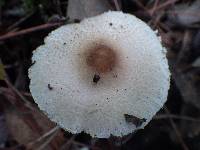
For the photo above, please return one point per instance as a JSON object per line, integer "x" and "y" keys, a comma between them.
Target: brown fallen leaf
{"x": 135, "y": 120}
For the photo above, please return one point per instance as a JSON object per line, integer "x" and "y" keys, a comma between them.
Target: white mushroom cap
{"x": 107, "y": 75}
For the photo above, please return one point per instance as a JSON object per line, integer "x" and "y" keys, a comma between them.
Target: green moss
{"x": 2, "y": 2}
{"x": 2, "y": 71}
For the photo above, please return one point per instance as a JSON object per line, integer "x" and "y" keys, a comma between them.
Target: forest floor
{"x": 23, "y": 26}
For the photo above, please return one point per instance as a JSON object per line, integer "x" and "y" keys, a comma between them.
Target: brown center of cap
{"x": 102, "y": 59}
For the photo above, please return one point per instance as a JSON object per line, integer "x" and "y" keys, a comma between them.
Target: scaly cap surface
{"x": 107, "y": 75}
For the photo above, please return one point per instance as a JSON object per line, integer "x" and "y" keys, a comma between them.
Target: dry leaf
{"x": 136, "y": 121}
{"x": 80, "y": 9}
{"x": 185, "y": 14}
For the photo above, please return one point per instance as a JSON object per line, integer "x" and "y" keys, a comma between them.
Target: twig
{"x": 27, "y": 103}
{"x": 151, "y": 11}
{"x": 48, "y": 141}
{"x": 51, "y": 132}
{"x": 186, "y": 47}
{"x": 3, "y": 89}
{"x": 172, "y": 116}
{"x": 181, "y": 13}
{"x": 155, "y": 21}
{"x": 163, "y": 26}
{"x": 177, "y": 132}
{"x": 21, "y": 20}
{"x": 116, "y": 5}
{"x": 139, "y": 4}
{"x": 67, "y": 145}
{"x": 157, "y": 7}
{"x": 166, "y": 4}
{"x": 29, "y": 30}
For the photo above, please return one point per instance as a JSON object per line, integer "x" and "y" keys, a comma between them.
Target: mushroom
{"x": 107, "y": 75}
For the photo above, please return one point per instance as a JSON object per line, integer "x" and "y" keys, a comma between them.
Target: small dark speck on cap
{"x": 33, "y": 63}
{"x": 77, "y": 20}
{"x": 115, "y": 76}
{"x": 96, "y": 78}
{"x": 50, "y": 87}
